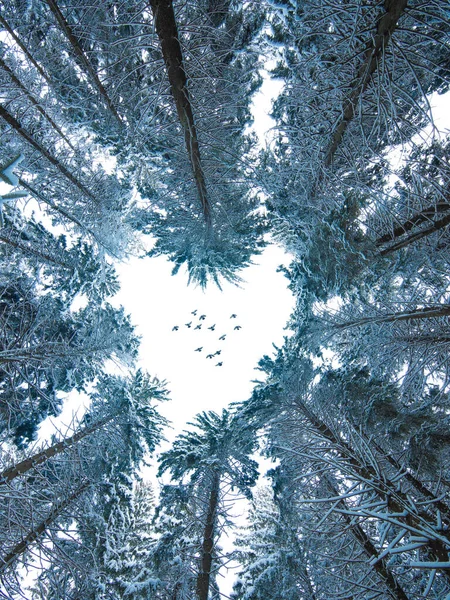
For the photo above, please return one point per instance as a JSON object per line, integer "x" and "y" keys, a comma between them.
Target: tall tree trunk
{"x": 396, "y": 500}
{"x": 69, "y": 216}
{"x": 167, "y": 31}
{"x": 34, "y": 102}
{"x": 41, "y": 457}
{"x": 81, "y": 57}
{"x": 374, "y": 50}
{"x": 423, "y": 216}
{"x": 56, "y": 511}
{"x": 24, "y": 49}
{"x": 394, "y": 589}
{"x": 11, "y": 238}
{"x": 413, "y": 315}
{"x": 12, "y": 121}
{"x": 436, "y": 226}
{"x": 204, "y": 575}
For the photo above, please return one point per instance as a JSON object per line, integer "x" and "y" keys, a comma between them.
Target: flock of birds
{"x": 199, "y": 325}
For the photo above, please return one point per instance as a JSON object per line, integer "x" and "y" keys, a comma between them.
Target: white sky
{"x": 157, "y": 301}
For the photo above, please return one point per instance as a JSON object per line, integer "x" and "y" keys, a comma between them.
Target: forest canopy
{"x": 128, "y": 126}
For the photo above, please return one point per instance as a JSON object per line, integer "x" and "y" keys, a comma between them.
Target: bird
{"x": 222, "y": 337}
{"x": 212, "y": 327}
{"x": 210, "y": 356}
{"x": 194, "y": 312}
{"x": 175, "y": 328}
{"x": 202, "y": 317}
{"x": 199, "y": 349}
{"x": 217, "y": 352}
{"x": 188, "y": 325}
{"x": 219, "y": 364}
{"x": 198, "y": 326}
{"x": 238, "y": 327}
{"x": 233, "y": 316}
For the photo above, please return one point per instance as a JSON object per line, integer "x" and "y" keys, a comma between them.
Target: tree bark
{"x": 396, "y": 500}
{"x": 394, "y": 589}
{"x": 56, "y": 511}
{"x": 41, "y": 457}
{"x": 417, "y": 219}
{"x": 70, "y": 217}
{"x": 443, "y": 508}
{"x": 167, "y": 31}
{"x": 421, "y": 313}
{"x": 12, "y": 121}
{"x": 81, "y": 57}
{"x": 385, "y": 28}
{"x": 24, "y": 49}
{"x": 34, "y": 102}
{"x": 204, "y": 575}
{"x": 436, "y": 226}
{"x": 16, "y": 243}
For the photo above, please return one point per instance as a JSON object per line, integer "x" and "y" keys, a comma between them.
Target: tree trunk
{"x": 81, "y": 57}
{"x": 45, "y": 153}
{"x": 41, "y": 457}
{"x": 443, "y": 508}
{"x": 204, "y": 575}
{"x": 374, "y": 50}
{"x": 394, "y": 589}
{"x": 425, "y": 215}
{"x": 396, "y": 500}
{"x": 413, "y": 315}
{"x": 24, "y": 49}
{"x": 436, "y": 226}
{"x": 39, "y": 196}
{"x": 56, "y": 511}
{"x": 34, "y": 102}
{"x": 166, "y": 29}
{"x": 27, "y": 249}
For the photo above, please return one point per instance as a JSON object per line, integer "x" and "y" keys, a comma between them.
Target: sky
{"x": 158, "y": 302}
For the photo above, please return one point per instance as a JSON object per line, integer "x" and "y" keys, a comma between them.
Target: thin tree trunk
{"x": 396, "y": 501}
{"x": 70, "y": 217}
{"x": 24, "y": 49}
{"x": 425, "y": 215}
{"x": 30, "y": 250}
{"x": 443, "y": 508}
{"x": 414, "y": 315}
{"x": 204, "y": 575}
{"x": 56, "y": 511}
{"x": 167, "y": 31}
{"x": 41, "y": 457}
{"x": 387, "y": 23}
{"x": 436, "y": 226}
{"x": 394, "y": 589}
{"x": 82, "y": 59}
{"x": 12, "y": 121}
{"x": 34, "y": 102}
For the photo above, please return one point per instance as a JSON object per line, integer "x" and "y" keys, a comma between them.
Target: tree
{"x": 270, "y": 554}
{"x": 215, "y": 456}
{"x": 104, "y": 551}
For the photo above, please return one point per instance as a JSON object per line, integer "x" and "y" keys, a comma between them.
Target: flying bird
{"x": 198, "y": 326}
{"x": 175, "y": 328}
{"x": 198, "y": 349}
{"x": 210, "y": 356}
{"x": 202, "y": 317}
{"x": 222, "y": 337}
{"x": 217, "y": 352}
{"x": 194, "y": 312}
{"x": 212, "y": 327}
{"x": 188, "y": 325}
{"x": 238, "y": 327}
{"x": 219, "y": 364}
{"x": 233, "y": 316}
